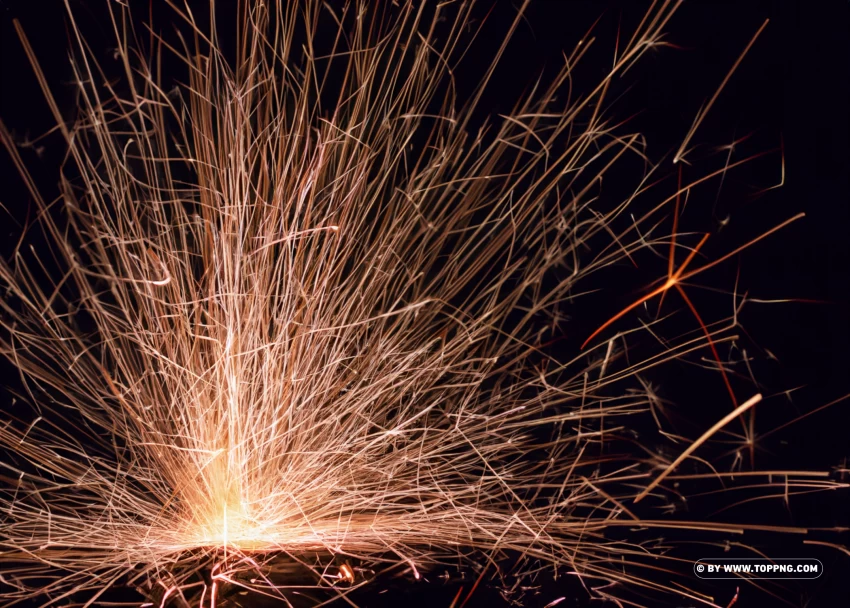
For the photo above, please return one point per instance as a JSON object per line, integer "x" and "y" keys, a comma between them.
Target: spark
{"x": 705, "y": 436}
{"x": 289, "y": 315}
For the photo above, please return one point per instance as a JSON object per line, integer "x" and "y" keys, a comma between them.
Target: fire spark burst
{"x": 267, "y": 324}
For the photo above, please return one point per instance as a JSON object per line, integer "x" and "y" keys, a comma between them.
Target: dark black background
{"x": 791, "y": 88}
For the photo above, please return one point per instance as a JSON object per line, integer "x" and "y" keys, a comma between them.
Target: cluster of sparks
{"x": 278, "y": 329}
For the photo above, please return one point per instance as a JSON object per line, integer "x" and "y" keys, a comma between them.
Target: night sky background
{"x": 791, "y": 91}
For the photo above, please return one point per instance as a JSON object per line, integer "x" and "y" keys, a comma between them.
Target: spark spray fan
{"x": 294, "y": 324}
